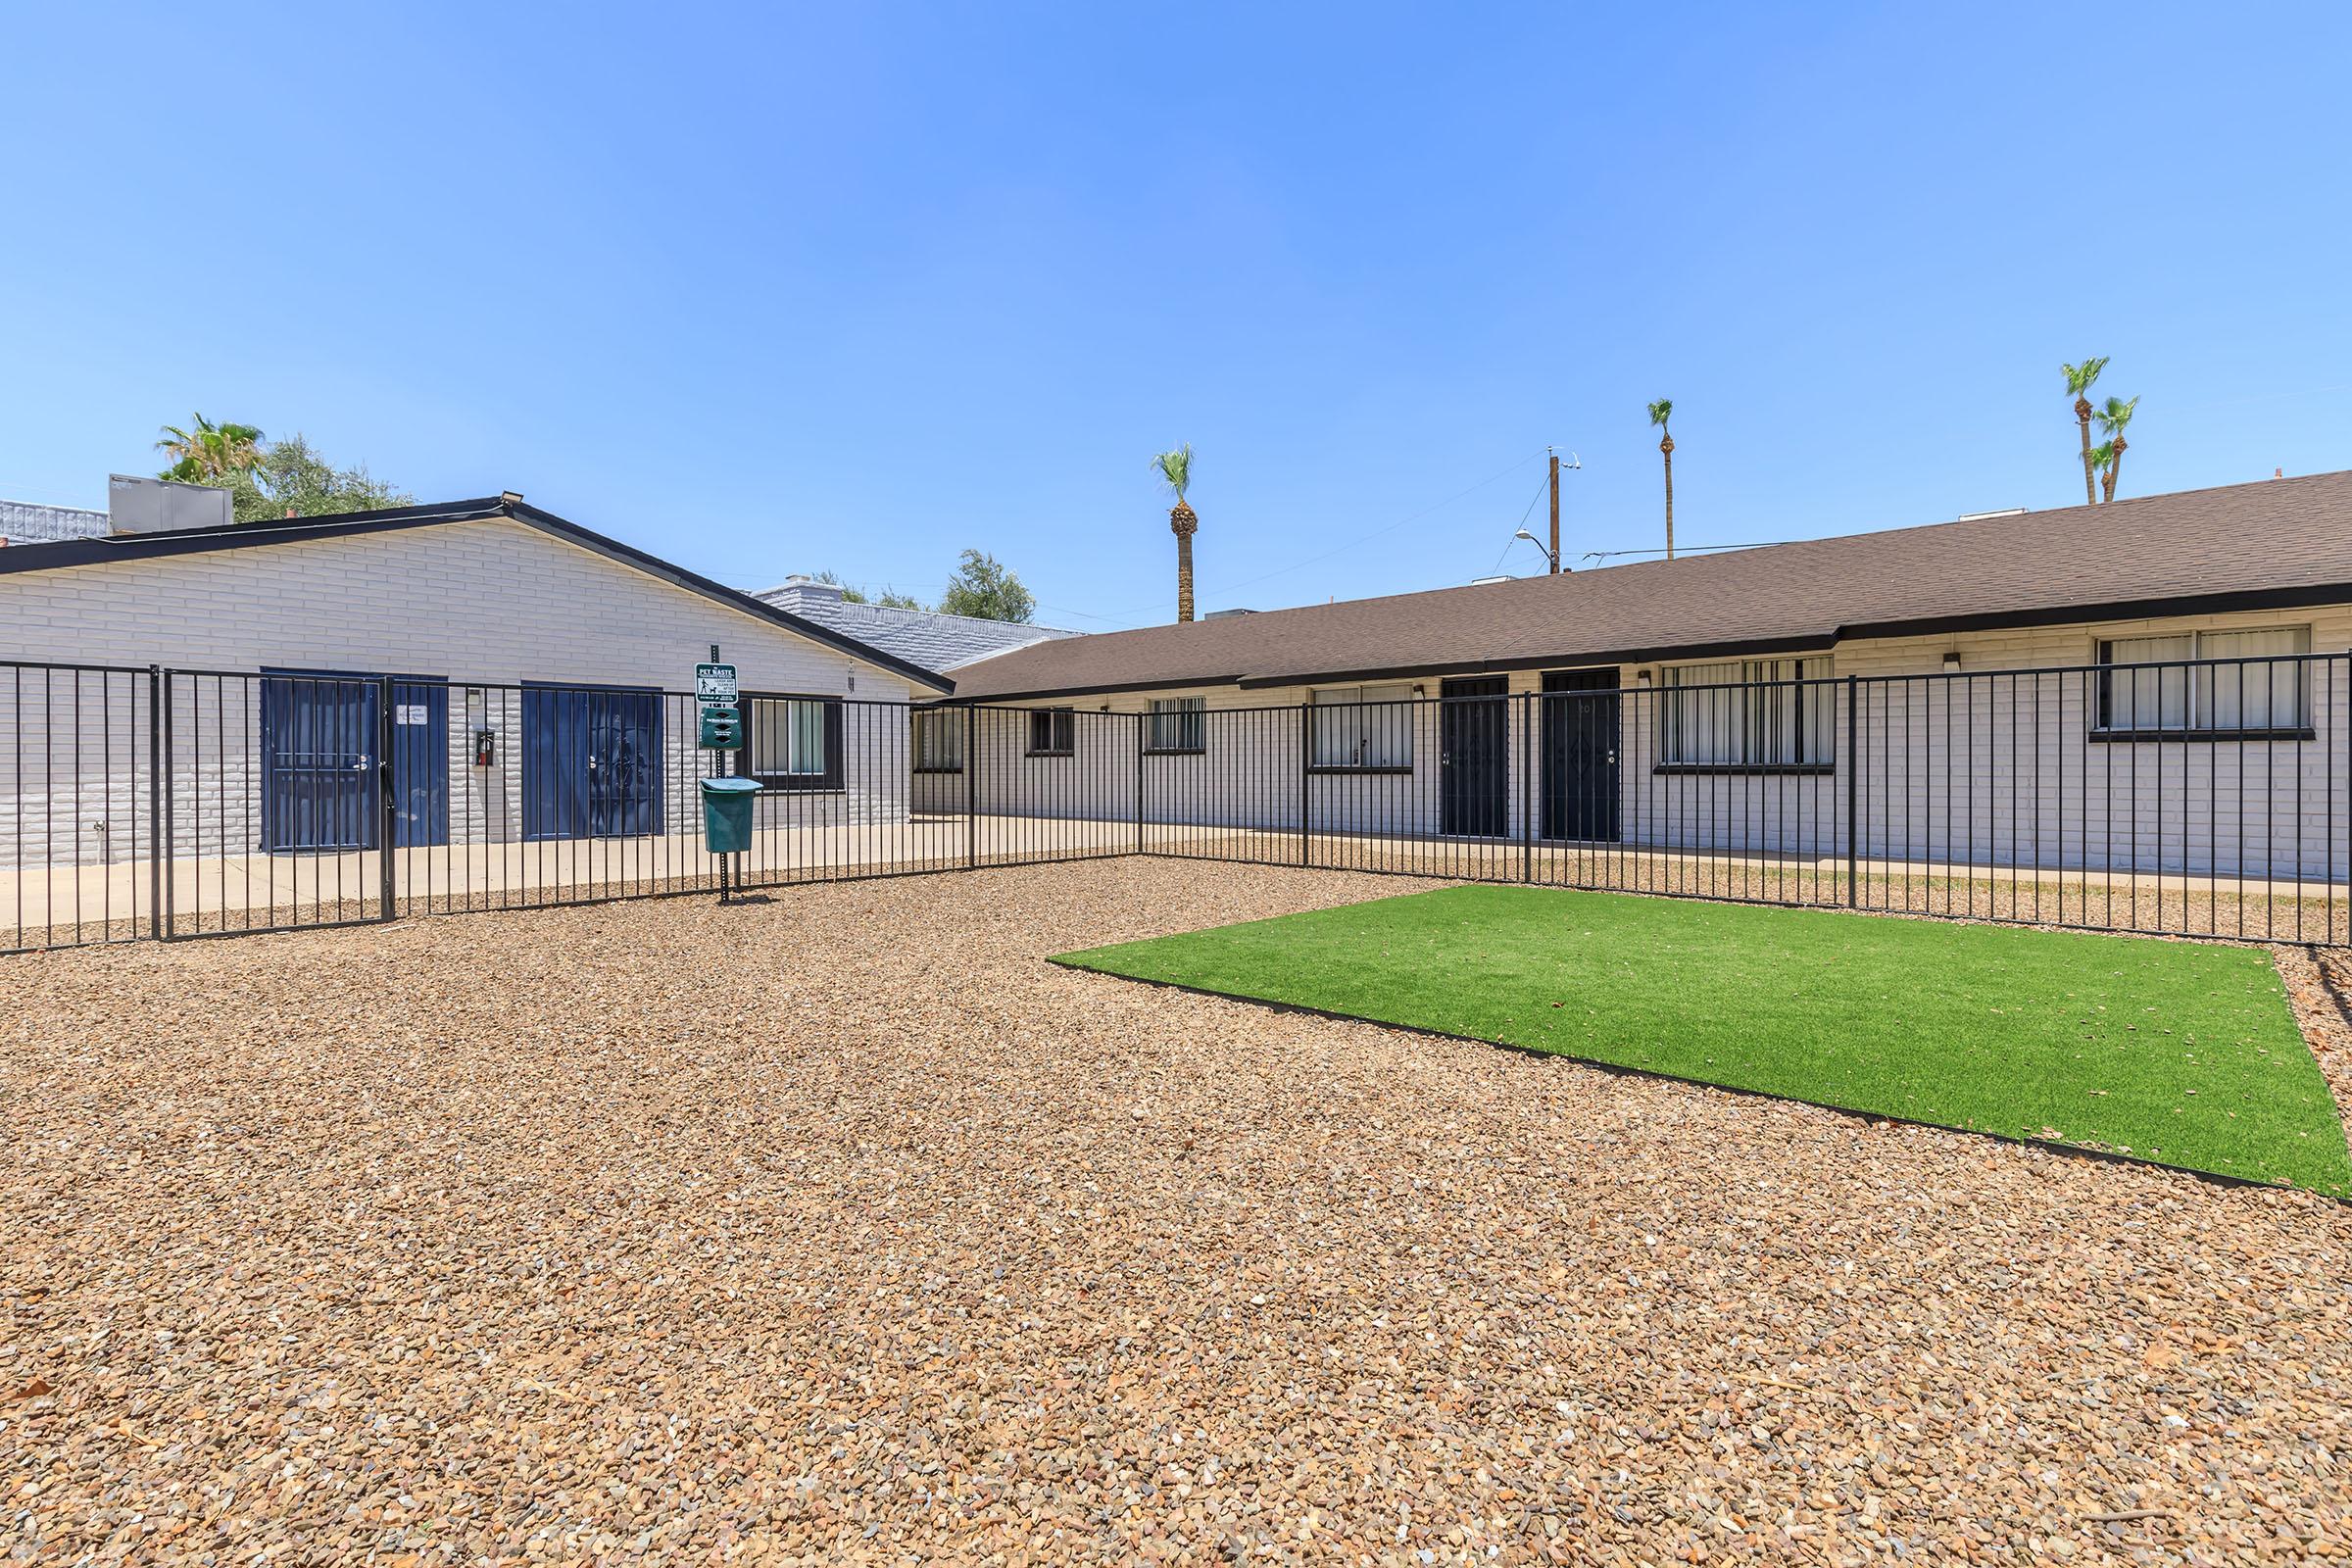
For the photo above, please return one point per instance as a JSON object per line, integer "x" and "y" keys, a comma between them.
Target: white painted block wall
{"x": 493, "y": 601}
{"x": 1968, "y": 780}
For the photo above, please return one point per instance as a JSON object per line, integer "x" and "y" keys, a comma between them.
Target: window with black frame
{"x": 1748, "y": 716}
{"x": 1176, "y": 725}
{"x": 938, "y": 740}
{"x": 794, "y": 743}
{"x": 2206, "y": 683}
{"x": 1366, "y": 729}
{"x": 1052, "y": 732}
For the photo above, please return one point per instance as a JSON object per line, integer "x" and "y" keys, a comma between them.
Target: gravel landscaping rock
{"x": 844, "y": 1226}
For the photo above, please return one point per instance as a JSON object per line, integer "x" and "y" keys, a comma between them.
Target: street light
{"x": 1553, "y": 560}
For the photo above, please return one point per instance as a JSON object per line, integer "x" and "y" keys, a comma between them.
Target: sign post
{"x": 727, "y": 799}
{"x": 714, "y": 684}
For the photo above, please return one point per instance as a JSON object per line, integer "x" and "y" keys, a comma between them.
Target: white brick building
{"x": 2185, "y": 709}
{"x": 529, "y": 655}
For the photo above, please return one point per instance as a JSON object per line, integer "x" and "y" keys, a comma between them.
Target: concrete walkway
{"x": 61, "y": 906}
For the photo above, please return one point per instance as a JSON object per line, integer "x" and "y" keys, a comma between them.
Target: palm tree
{"x": 1175, "y": 469}
{"x": 2112, "y": 417}
{"x": 211, "y": 454}
{"x": 1659, "y": 413}
{"x": 2078, "y": 380}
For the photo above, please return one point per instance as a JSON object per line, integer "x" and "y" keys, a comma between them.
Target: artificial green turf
{"x": 2173, "y": 1052}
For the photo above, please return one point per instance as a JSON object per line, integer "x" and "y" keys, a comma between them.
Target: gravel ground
{"x": 845, "y": 1227}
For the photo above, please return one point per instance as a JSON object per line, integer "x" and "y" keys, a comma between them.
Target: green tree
{"x": 2112, "y": 417}
{"x": 888, "y": 597}
{"x": 851, "y": 593}
{"x": 289, "y": 478}
{"x": 1175, "y": 470}
{"x": 2078, "y": 380}
{"x": 982, "y": 586}
{"x": 1659, "y": 413}
{"x": 293, "y": 475}
{"x": 211, "y": 454}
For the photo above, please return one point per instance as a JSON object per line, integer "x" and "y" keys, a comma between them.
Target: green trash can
{"x": 728, "y": 813}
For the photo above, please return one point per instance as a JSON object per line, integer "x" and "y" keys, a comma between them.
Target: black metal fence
{"x": 2201, "y": 796}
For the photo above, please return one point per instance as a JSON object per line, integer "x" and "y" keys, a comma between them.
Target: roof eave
{"x": 735, "y": 597}
{"x": 2215, "y": 603}
{"x": 1044, "y": 693}
{"x": 1571, "y": 660}
{"x": 60, "y": 554}
{"x": 2115, "y": 609}
{"x": 69, "y": 552}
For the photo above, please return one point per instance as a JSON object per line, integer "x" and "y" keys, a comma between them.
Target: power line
{"x": 1107, "y": 620}
{"x": 1376, "y": 533}
{"x": 1338, "y": 550}
{"x": 1758, "y": 544}
{"x": 890, "y": 584}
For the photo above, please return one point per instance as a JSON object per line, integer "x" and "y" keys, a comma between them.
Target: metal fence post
{"x": 1854, "y": 791}
{"x": 156, "y": 799}
{"x": 1527, "y": 800}
{"x": 971, "y": 794}
{"x": 1306, "y": 756}
{"x": 387, "y": 800}
{"x": 1141, "y": 720}
{"x": 168, "y": 836}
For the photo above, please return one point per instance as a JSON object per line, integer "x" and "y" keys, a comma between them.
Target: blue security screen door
{"x": 319, "y": 773}
{"x": 317, "y": 763}
{"x": 624, "y": 762}
{"x": 590, "y": 763}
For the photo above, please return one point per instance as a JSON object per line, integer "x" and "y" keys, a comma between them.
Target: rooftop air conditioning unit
{"x": 163, "y": 505}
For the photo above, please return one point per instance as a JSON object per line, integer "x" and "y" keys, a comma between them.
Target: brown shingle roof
{"x": 2272, "y": 543}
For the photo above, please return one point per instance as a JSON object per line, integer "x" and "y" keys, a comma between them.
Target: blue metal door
{"x": 420, "y": 762}
{"x": 318, "y": 772}
{"x": 590, "y": 763}
{"x": 317, "y": 763}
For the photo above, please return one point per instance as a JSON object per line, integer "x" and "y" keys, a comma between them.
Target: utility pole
{"x": 1555, "y": 513}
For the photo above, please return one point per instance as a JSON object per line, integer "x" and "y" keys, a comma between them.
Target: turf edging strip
{"x": 2178, "y": 1053}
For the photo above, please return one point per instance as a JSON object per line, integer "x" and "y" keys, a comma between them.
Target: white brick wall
{"x": 494, "y": 602}
{"x": 1974, "y": 785}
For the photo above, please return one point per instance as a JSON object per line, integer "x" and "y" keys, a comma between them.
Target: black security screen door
{"x": 1474, "y": 758}
{"x": 1580, "y": 753}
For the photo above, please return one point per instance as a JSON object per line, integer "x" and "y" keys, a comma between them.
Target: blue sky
{"x": 770, "y": 289}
